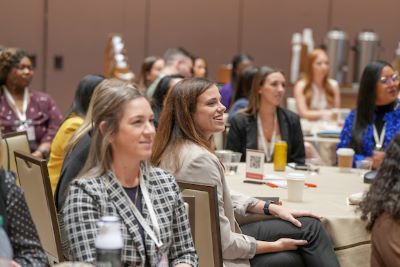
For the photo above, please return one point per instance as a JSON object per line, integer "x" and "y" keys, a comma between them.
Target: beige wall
{"x": 214, "y": 29}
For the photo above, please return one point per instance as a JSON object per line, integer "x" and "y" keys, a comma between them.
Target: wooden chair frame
{"x": 214, "y": 216}
{"x": 42, "y": 164}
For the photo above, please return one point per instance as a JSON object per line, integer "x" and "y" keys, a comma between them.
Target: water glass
{"x": 363, "y": 166}
{"x": 234, "y": 164}
{"x": 313, "y": 165}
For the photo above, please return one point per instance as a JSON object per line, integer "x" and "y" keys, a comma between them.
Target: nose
{"x": 149, "y": 128}
{"x": 221, "y": 107}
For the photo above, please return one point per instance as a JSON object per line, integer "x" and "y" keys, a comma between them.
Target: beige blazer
{"x": 199, "y": 165}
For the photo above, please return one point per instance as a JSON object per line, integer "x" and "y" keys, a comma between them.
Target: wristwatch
{"x": 266, "y": 206}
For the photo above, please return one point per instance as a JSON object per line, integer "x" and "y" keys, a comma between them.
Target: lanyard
{"x": 268, "y": 147}
{"x": 154, "y": 235}
{"x": 379, "y": 139}
{"x": 21, "y": 115}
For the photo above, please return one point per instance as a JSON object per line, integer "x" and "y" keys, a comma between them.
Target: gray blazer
{"x": 199, "y": 165}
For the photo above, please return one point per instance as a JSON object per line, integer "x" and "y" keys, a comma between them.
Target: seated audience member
{"x": 200, "y": 69}
{"x": 73, "y": 120}
{"x": 381, "y": 209}
{"x": 77, "y": 149}
{"x": 118, "y": 181}
{"x": 165, "y": 84}
{"x": 23, "y": 109}
{"x": 239, "y": 62}
{"x": 149, "y": 72}
{"x": 373, "y": 124}
{"x": 316, "y": 95}
{"x": 177, "y": 61}
{"x": 183, "y": 145}
{"x": 264, "y": 122}
{"x": 18, "y": 224}
{"x": 241, "y": 92}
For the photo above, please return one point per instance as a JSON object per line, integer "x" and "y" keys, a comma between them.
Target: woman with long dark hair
{"x": 264, "y": 122}
{"x": 149, "y": 71}
{"x": 73, "y": 121}
{"x": 381, "y": 209}
{"x": 239, "y": 62}
{"x": 373, "y": 124}
{"x": 193, "y": 113}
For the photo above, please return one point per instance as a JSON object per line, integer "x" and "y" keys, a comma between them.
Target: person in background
{"x": 200, "y": 69}
{"x": 264, "y": 122}
{"x": 18, "y": 224}
{"x": 73, "y": 120}
{"x": 193, "y": 113}
{"x": 177, "y": 61}
{"x": 24, "y": 109}
{"x": 381, "y": 209}
{"x": 376, "y": 120}
{"x": 240, "y": 97}
{"x": 163, "y": 87}
{"x": 316, "y": 95}
{"x": 149, "y": 71}
{"x": 118, "y": 181}
{"x": 239, "y": 62}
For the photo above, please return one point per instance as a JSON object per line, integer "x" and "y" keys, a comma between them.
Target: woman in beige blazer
{"x": 192, "y": 114}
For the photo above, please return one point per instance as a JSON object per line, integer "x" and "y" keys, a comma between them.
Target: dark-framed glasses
{"x": 387, "y": 79}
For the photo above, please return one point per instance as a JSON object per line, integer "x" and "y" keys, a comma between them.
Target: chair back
{"x": 34, "y": 180}
{"x": 207, "y": 238}
{"x": 10, "y": 143}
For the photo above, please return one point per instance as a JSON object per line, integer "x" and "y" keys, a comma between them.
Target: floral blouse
{"x": 42, "y": 113}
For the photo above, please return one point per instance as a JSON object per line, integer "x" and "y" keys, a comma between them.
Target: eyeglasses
{"x": 387, "y": 79}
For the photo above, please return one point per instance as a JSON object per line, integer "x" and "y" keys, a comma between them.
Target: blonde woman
{"x": 118, "y": 181}
{"x": 316, "y": 95}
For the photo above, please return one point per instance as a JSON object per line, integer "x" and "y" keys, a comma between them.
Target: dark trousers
{"x": 318, "y": 252}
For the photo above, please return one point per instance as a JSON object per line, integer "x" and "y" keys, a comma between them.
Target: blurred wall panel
{"x": 78, "y": 31}
{"x": 268, "y": 27}
{"x": 22, "y": 25}
{"x": 206, "y": 28}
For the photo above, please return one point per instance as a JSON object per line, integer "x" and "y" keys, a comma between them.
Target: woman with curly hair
{"x": 24, "y": 109}
{"x": 381, "y": 209}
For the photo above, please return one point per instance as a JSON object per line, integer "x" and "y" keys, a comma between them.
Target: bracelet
{"x": 266, "y": 207}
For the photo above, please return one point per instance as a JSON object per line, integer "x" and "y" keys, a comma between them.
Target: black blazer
{"x": 243, "y": 134}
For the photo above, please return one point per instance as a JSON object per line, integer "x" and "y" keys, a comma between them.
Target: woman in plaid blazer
{"x": 117, "y": 181}
{"x": 183, "y": 144}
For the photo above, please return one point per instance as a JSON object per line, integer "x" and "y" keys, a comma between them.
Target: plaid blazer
{"x": 91, "y": 198}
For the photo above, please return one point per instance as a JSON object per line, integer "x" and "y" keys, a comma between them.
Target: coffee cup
{"x": 345, "y": 159}
{"x": 295, "y": 185}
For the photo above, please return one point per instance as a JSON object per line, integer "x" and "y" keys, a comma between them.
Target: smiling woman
{"x": 264, "y": 122}
{"x": 117, "y": 180}
{"x": 373, "y": 124}
{"x": 23, "y": 109}
{"x": 193, "y": 113}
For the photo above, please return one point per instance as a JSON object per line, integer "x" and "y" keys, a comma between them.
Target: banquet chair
{"x": 9, "y": 143}
{"x": 34, "y": 180}
{"x": 207, "y": 238}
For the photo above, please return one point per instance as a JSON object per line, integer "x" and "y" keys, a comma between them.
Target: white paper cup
{"x": 345, "y": 159}
{"x": 295, "y": 184}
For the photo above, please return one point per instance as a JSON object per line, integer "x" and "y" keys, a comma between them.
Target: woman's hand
{"x": 282, "y": 244}
{"x": 377, "y": 159}
{"x": 15, "y": 264}
{"x": 290, "y": 215}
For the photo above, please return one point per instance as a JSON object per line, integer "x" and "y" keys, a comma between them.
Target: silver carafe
{"x": 366, "y": 50}
{"x": 337, "y": 46}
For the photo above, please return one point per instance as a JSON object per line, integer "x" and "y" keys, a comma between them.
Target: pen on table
{"x": 271, "y": 184}
{"x": 310, "y": 185}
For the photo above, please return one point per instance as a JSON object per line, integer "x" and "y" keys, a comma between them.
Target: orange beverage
{"x": 280, "y": 156}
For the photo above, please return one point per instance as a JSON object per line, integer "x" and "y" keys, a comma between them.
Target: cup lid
{"x": 295, "y": 176}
